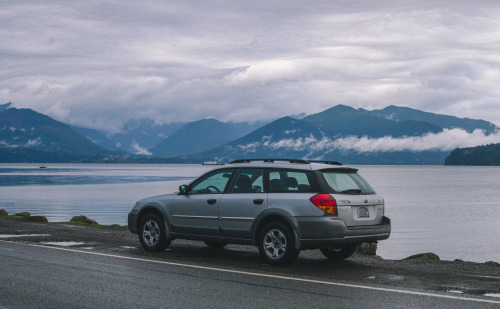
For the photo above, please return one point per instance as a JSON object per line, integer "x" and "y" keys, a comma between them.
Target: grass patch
{"x": 79, "y": 223}
{"x": 11, "y": 217}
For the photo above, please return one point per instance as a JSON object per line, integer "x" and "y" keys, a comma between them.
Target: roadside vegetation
{"x": 76, "y": 220}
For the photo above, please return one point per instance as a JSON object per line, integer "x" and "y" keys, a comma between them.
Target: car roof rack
{"x": 299, "y": 161}
{"x": 326, "y": 162}
{"x": 271, "y": 161}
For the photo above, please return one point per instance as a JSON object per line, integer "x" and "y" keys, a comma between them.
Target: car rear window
{"x": 347, "y": 182}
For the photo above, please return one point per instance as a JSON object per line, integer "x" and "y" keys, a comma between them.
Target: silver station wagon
{"x": 281, "y": 206}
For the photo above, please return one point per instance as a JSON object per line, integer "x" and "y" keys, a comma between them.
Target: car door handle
{"x": 258, "y": 201}
{"x": 211, "y": 201}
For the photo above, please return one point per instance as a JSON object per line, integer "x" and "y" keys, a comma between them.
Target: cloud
{"x": 29, "y": 144}
{"x": 446, "y": 140}
{"x": 252, "y": 147}
{"x": 33, "y": 143}
{"x": 266, "y": 72}
{"x": 98, "y": 63}
{"x": 140, "y": 150}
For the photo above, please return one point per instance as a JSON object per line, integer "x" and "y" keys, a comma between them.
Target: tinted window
{"x": 347, "y": 182}
{"x": 212, "y": 183}
{"x": 289, "y": 181}
{"x": 247, "y": 181}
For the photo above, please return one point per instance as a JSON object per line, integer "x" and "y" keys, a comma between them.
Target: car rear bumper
{"x": 330, "y": 231}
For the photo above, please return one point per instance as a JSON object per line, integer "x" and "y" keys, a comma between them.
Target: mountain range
{"x": 135, "y": 135}
{"x": 199, "y": 136}
{"x": 323, "y": 136}
{"x": 337, "y": 134}
{"x": 28, "y": 136}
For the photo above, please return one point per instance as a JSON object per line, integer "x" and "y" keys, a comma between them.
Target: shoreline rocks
{"x": 367, "y": 248}
{"x": 26, "y": 216}
{"x": 492, "y": 263}
{"x": 424, "y": 256}
{"x": 82, "y": 219}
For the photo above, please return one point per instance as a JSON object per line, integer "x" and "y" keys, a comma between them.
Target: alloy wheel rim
{"x": 151, "y": 233}
{"x": 275, "y": 244}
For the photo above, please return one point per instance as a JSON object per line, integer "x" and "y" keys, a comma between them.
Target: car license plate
{"x": 363, "y": 212}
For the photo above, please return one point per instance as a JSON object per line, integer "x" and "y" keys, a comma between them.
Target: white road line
{"x": 22, "y": 235}
{"x": 479, "y": 276}
{"x": 365, "y": 287}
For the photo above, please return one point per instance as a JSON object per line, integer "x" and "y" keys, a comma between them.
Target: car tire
{"x": 340, "y": 253}
{"x": 276, "y": 244}
{"x": 152, "y": 233}
{"x": 215, "y": 244}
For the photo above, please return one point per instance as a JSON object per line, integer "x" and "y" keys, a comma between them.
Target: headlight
{"x": 136, "y": 203}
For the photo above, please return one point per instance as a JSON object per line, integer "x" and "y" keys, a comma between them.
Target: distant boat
{"x": 43, "y": 166}
{"x": 210, "y": 163}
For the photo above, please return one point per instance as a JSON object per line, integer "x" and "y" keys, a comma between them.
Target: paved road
{"x": 41, "y": 276}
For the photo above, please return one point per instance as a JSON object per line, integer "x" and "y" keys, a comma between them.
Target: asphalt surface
{"x": 55, "y": 266}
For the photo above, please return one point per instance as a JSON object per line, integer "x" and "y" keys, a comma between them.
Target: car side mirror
{"x": 183, "y": 189}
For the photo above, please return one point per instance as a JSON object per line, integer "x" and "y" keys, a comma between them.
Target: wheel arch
{"x": 154, "y": 209}
{"x": 277, "y": 217}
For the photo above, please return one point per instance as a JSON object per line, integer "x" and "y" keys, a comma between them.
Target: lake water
{"x": 451, "y": 211}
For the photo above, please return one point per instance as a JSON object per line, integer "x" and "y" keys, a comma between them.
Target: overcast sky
{"x": 97, "y": 63}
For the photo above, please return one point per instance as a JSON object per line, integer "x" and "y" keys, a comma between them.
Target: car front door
{"x": 197, "y": 211}
{"x": 243, "y": 202}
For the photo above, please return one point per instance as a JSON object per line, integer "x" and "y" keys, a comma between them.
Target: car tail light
{"x": 325, "y": 202}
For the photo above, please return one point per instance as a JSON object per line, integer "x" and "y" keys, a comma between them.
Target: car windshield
{"x": 347, "y": 182}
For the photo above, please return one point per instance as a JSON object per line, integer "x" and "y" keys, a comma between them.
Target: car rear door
{"x": 244, "y": 201}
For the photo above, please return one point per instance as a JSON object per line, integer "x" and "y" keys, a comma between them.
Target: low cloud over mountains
{"x": 393, "y": 135}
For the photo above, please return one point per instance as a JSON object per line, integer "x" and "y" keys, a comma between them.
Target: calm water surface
{"x": 451, "y": 211}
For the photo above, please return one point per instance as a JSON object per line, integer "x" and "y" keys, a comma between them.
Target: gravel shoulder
{"x": 466, "y": 279}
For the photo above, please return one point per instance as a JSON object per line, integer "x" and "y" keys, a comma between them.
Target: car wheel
{"x": 276, "y": 244}
{"x": 340, "y": 253}
{"x": 152, "y": 233}
{"x": 215, "y": 244}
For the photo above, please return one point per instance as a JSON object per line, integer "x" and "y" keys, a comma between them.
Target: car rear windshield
{"x": 347, "y": 182}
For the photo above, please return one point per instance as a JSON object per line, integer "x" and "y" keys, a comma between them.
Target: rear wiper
{"x": 351, "y": 191}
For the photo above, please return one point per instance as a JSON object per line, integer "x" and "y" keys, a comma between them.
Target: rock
{"x": 492, "y": 263}
{"x": 82, "y": 219}
{"x": 424, "y": 256}
{"x": 3, "y": 213}
{"x": 23, "y": 214}
{"x": 36, "y": 219}
{"x": 367, "y": 248}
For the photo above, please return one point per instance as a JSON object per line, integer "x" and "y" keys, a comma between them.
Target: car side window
{"x": 212, "y": 183}
{"x": 248, "y": 180}
{"x": 289, "y": 181}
